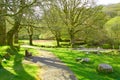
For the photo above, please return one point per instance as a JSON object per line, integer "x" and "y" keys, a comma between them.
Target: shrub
{"x": 106, "y": 46}
{"x": 116, "y": 46}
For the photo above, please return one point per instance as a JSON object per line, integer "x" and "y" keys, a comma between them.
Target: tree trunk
{"x": 1, "y": 63}
{"x": 12, "y": 32}
{"x": 2, "y": 31}
{"x": 57, "y": 36}
{"x": 71, "y": 34}
{"x": 14, "y": 29}
{"x": 10, "y": 38}
{"x": 72, "y": 41}
{"x": 58, "y": 42}
{"x": 30, "y": 40}
{"x": 16, "y": 38}
{"x": 2, "y": 25}
{"x": 17, "y": 19}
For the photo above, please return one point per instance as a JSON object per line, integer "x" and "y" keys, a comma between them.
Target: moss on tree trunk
{"x": 2, "y": 27}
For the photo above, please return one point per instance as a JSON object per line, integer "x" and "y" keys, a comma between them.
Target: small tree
{"x": 52, "y": 21}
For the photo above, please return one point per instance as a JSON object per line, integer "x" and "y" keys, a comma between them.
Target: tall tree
{"x": 53, "y": 22}
{"x": 17, "y": 6}
{"x": 74, "y": 14}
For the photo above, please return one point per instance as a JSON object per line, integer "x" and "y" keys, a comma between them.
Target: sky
{"x": 106, "y": 2}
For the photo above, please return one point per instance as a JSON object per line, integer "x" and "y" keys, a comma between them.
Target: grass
{"x": 40, "y": 42}
{"x": 17, "y": 68}
{"x": 45, "y": 43}
{"x": 87, "y": 71}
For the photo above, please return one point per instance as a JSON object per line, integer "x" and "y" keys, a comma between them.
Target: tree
{"x": 31, "y": 22}
{"x": 17, "y": 19}
{"x": 113, "y": 29}
{"x": 14, "y": 9}
{"x": 95, "y": 33}
{"x": 53, "y": 23}
{"x": 74, "y": 14}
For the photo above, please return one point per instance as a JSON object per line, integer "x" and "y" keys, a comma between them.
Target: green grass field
{"x": 40, "y": 42}
{"x": 17, "y": 68}
{"x": 87, "y": 71}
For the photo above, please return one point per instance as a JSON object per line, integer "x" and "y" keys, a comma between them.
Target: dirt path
{"x": 51, "y": 67}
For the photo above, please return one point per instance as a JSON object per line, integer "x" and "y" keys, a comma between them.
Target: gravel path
{"x": 51, "y": 67}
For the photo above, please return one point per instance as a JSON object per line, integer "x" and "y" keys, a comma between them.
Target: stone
{"x": 28, "y": 54}
{"x": 105, "y": 68}
{"x": 86, "y": 60}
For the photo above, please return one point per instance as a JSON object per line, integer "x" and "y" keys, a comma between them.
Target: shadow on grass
{"x": 18, "y": 72}
{"x": 19, "y": 69}
{"x": 6, "y": 75}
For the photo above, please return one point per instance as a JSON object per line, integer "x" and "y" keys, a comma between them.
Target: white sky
{"x": 106, "y": 2}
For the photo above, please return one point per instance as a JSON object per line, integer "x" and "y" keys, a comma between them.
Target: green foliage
{"x": 87, "y": 71}
{"x": 106, "y": 46}
{"x": 113, "y": 29}
{"x": 113, "y": 21}
{"x": 116, "y": 46}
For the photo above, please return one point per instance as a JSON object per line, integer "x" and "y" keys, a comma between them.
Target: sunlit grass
{"x": 40, "y": 42}
{"x": 87, "y": 71}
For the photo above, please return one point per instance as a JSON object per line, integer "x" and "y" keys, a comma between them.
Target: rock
{"x": 28, "y": 54}
{"x": 86, "y": 60}
{"x": 105, "y": 68}
{"x": 83, "y": 59}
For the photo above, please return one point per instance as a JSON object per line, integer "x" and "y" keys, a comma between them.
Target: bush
{"x": 116, "y": 46}
{"x": 106, "y": 46}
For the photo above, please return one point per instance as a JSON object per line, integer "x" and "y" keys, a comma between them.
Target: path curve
{"x": 51, "y": 67}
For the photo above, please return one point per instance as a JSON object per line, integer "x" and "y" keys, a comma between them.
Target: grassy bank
{"x": 87, "y": 71}
{"x": 17, "y": 68}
